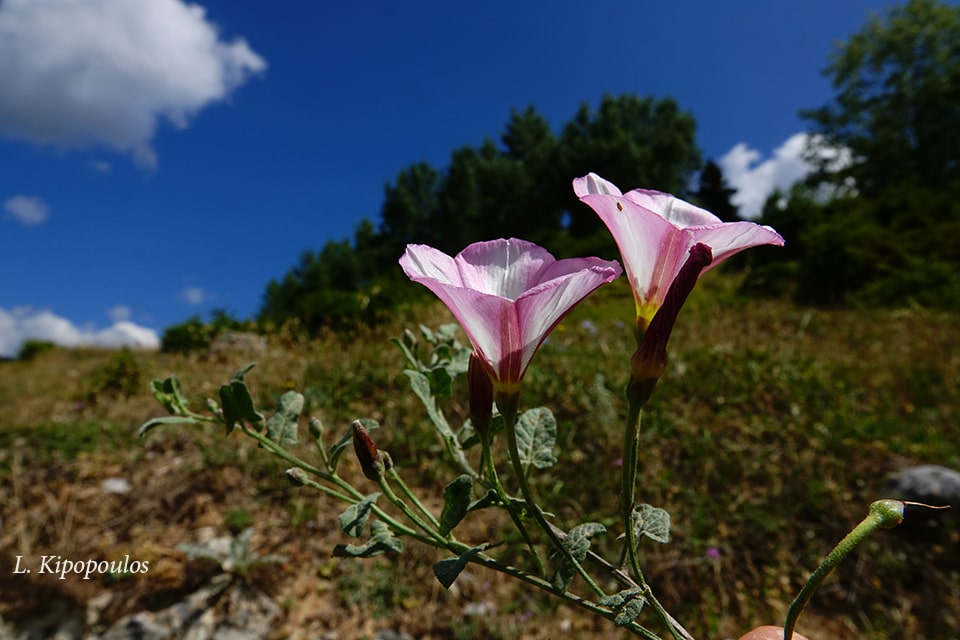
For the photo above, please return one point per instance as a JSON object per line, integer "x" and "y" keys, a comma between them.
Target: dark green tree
{"x": 897, "y": 102}
{"x": 715, "y": 195}
{"x": 631, "y": 141}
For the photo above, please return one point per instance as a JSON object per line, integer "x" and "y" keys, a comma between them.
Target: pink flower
{"x": 507, "y": 295}
{"x": 655, "y": 232}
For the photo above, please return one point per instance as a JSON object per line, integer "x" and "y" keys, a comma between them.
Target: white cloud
{"x": 104, "y": 72}
{"x": 119, "y": 313}
{"x": 755, "y": 178}
{"x": 24, "y": 323}
{"x": 194, "y": 295}
{"x": 26, "y": 210}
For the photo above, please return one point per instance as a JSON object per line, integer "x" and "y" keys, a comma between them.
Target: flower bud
{"x": 480, "y": 393}
{"x": 296, "y": 476}
{"x": 371, "y": 459}
{"x": 650, "y": 360}
{"x": 315, "y": 426}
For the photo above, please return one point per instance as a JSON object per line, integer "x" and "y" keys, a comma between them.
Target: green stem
{"x": 508, "y": 409}
{"x": 882, "y": 514}
{"x": 413, "y": 498}
{"x": 628, "y": 484}
{"x": 505, "y": 499}
{"x": 438, "y": 539}
{"x": 283, "y": 454}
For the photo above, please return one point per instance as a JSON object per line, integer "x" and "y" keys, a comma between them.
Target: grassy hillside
{"x": 772, "y": 431}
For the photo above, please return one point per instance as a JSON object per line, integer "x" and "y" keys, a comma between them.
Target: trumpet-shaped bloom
{"x": 507, "y": 295}
{"x": 655, "y": 232}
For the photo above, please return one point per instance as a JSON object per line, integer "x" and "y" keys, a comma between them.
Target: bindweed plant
{"x": 507, "y": 296}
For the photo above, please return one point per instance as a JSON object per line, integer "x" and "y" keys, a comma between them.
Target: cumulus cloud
{"x": 23, "y": 323}
{"x": 105, "y": 72}
{"x": 26, "y": 210}
{"x": 755, "y": 178}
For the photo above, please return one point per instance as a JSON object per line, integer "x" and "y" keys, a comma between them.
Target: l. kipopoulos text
{"x": 64, "y": 567}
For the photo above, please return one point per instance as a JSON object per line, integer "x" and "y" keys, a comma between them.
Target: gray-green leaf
{"x": 577, "y": 542}
{"x": 381, "y": 541}
{"x": 237, "y": 405}
{"x": 169, "y": 393}
{"x": 449, "y": 569}
{"x": 354, "y": 519}
{"x": 536, "y": 438}
{"x": 282, "y": 425}
{"x": 652, "y": 522}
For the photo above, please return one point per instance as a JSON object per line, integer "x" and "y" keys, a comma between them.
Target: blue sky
{"x": 161, "y": 158}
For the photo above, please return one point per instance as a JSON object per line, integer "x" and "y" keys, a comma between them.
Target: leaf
{"x": 536, "y": 438}
{"x": 441, "y": 384}
{"x": 354, "y": 519}
{"x": 469, "y": 438}
{"x": 490, "y": 499}
{"x": 153, "y": 423}
{"x": 577, "y": 542}
{"x": 169, "y": 394}
{"x": 407, "y": 353}
{"x": 242, "y": 371}
{"x": 449, "y": 569}
{"x": 422, "y": 388}
{"x": 347, "y": 441}
{"x": 456, "y": 502}
{"x": 629, "y": 611}
{"x": 627, "y": 604}
{"x": 652, "y": 522}
{"x": 282, "y": 425}
{"x": 237, "y": 405}
{"x": 381, "y": 541}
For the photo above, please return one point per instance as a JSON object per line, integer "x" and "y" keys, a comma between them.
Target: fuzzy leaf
{"x": 170, "y": 394}
{"x": 627, "y": 604}
{"x": 456, "y": 502}
{"x": 282, "y": 425}
{"x": 237, "y": 405}
{"x": 652, "y": 522}
{"x": 354, "y": 519}
{"x": 629, "y": 611}
{"x": 577, "y": 542}
{"x": 440, "y": 382}
{"x": 422, "y": 387}
{"x": 242, "y": 371}
{"x": 449, "y": 569}
{"x": 381, "y": 541}
{"x": 536, "y": 438}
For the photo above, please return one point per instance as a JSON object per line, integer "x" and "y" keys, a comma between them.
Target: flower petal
{"x": 507, "y": 295}
{"x": 504, "y": 268}
{"x": 731, "y": 238}
{"x": 680, "y": 213}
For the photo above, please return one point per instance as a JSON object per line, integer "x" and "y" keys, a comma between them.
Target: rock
{"x": 245, "y": 342}
{"x": 928, "y": 483}
{"x": 226, "y": 610}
